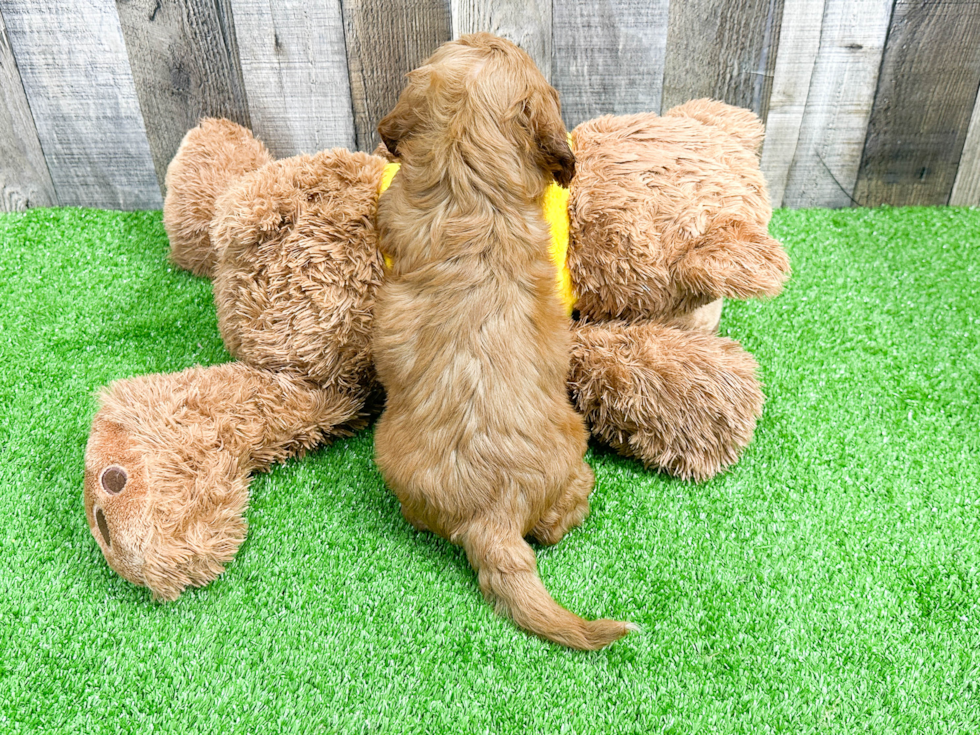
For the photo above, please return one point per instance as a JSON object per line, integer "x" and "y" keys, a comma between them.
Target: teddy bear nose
{"x": 114, "y": 480}
{"x": 103, "y": 525}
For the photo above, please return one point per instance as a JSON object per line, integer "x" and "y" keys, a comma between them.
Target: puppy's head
{"x": 481, "y": 93}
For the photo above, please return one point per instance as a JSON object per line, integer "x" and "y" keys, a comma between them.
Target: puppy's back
{"x": 479, "y": 440}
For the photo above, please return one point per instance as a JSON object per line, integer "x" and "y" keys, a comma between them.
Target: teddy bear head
{"x": 160, "y": 520}
{"x": 669, "y": 214}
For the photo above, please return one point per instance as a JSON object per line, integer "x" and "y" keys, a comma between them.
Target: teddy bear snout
{"x": 103, "y": 525}
{"x": 113, "y": 481}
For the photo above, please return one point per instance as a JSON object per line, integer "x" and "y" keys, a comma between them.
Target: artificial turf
{"x": 827, "y": 583}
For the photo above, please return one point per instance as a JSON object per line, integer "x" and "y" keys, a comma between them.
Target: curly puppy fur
{"x": 478, "y": 438}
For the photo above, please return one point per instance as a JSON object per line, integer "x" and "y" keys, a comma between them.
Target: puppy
{"x": 478, "y": 439}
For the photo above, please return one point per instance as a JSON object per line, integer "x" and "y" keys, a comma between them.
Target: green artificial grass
{"x": 827, "y": 583}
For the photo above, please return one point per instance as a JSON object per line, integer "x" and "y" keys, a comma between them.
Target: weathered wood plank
{"x": 294, "y": 63}
{"x": 184, "y": 57}
{"x": 838, "y": 106}
{"x": 926, "y": 91}
{"x": 525, "y": 22}
{"x": 24, "y": 178}
{"x": 386, "y": 40}
{"x": 723, "y": 49}
{"x": 799, "y": 40}
{"x": 609, "y": 57}
{"x": 76, "y": 77}
{"x": 966, "y": 189}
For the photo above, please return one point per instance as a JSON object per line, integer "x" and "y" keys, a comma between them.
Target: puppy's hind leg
{"x": 416, "y": 522}
{"x": 570, "y": 510}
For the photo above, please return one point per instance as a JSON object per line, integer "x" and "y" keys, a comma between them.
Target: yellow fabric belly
{"x": 555, "y": 212}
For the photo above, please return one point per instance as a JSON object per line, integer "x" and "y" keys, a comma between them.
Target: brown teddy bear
{"x": 666, "y": 216}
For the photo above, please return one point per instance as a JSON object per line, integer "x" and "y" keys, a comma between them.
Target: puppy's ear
{"x": 543, "y": 114}
{"x": 395, "y": 126}
{"x": 403, "y": 119}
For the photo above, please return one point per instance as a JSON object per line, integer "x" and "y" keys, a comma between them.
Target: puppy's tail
{"x": 509, "y": 580}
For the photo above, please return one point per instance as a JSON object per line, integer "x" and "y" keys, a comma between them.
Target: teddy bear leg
{"x": 168, "y": 461}
{"x": 685, "y": 402}
{"x": 705, "y": 319}
{"x": 210, "y": 158}
{"x": 570, "y": 510}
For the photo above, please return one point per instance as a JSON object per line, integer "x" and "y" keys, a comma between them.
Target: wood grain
{"x": 184, "y": 57}
{"x": 926, "y": 91}
{"x": 966, "y": 189}
{"x": 723, "y": 49}
{"x": 294, "y": 65}
{"x": 609, "y": 57}
{"x": 525, "y": 22}
{"x": 849, "y": 117}
{"x": 386, "y": 40}
{"x": 838, "y": 106}
{"x": 72, "y": 61}
{"x": 799, "y": 41}
{"x": 24, "y": 178}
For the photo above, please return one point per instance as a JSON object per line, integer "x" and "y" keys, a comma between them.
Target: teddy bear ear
{"x": 741, "y": 124}
{"x": 193, "y": 540}
{"x": 734, "y": 259}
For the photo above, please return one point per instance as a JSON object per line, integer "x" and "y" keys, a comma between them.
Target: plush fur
{"x": 205, "y": 164}
{"x": 667, "y": 215}
{"x": 299, "y": 265}
{"x": 679, "y": 399}
{"x": 478, "y": 438}
{"x": 676, "y": 209}
{"x": 296, "y": 265}
{"x": 167, "y": 465}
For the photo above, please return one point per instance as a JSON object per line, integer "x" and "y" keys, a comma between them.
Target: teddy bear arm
{"x": 734, "y": 259}
{"x": 168, "y": 460}
{"x": 685, "y": 402}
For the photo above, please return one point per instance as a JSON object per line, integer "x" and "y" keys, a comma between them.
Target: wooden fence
{"x": 865, "y": 101}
